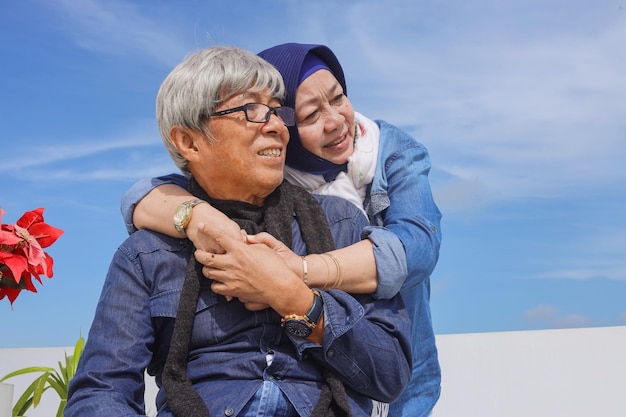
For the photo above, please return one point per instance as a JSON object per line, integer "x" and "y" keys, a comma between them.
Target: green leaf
{"x": 40, "y": 388}
{"x": 28, "y": 370}
{"x": 23, "y": 408}
{"x": 60, "y": 386}
{"x": 58, "y": 380}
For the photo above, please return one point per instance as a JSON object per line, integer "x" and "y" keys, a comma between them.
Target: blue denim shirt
{"x": 400, "y": 201}
{"x": 366, "y": 341}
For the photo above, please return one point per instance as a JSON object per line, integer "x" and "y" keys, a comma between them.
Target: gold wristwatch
{"x": 182, "y": 215}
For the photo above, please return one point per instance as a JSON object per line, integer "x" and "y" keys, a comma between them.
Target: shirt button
{"x": 331, "y": 353}
{"x": 434, "y": 229}
{"x": 229, "y": 411}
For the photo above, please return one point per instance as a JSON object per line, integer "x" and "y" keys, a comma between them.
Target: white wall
{"x": 549, "y": 373}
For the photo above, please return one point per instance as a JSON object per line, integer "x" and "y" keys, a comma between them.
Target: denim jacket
{"x": 400, "y": 201}
{"x": 366, "y": 341}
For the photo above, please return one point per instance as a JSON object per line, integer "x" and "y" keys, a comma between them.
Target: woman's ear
{"x": 186, "y": 141}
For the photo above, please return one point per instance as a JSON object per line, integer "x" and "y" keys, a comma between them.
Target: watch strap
{"x": 310, "y": 319}
{"x": 317, "y": 308}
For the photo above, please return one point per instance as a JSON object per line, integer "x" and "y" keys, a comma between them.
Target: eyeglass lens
{"x": 260, "y": 113}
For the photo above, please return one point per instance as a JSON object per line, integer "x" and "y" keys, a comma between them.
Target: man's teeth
{"x": 270, "y": 152}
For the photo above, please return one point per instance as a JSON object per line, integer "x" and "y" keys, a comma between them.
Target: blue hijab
{"x": 296, "y": 62}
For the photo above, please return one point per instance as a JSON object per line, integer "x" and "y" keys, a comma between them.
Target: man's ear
{"x": 186, "y": 141}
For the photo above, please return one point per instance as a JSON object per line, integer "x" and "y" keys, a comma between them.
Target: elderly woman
{"x": 212, "y": 346}
{"x": 376, "y": 166}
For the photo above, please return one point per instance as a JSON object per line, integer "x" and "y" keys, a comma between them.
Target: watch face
{"x": 180, "y": 214}
{"x": 298, "y": 328}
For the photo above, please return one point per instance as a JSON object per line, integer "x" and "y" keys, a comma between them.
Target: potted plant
{"x": 57, "y": 379}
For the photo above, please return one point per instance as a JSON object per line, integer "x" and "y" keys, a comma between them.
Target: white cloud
{"x": 617, "y": 273}
{"x": 550, "y": 316}
{"x": 121, "y": 28}
{"x": 596, "y": 253}
{"x": 511, "y": 109}
{"x": 26, "y": 159}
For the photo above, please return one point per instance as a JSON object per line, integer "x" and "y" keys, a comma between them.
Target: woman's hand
{"x": 291, "y": 259}
{"x": 255, "y": 273}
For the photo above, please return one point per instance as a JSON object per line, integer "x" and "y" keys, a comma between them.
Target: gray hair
{"x": 200, "y": 83}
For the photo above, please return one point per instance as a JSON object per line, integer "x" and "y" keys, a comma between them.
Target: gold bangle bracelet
{"x": 327, "y": 273}
{"x": 339, "y": 272}
{"x": 339, "y": 279}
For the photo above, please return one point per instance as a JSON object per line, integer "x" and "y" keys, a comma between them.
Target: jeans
{"x": 268, "y": 401}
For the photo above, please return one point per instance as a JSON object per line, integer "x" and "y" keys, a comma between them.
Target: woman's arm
{"x": 151, "y": 205}
{"x": 338, "y": 269}
{"x": 353, "y": 271}
{"x": 156, "y": 209}
{"x": 411, "y": 213}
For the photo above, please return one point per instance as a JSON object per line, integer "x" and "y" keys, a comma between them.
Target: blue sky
{"x": 521, "y": 104}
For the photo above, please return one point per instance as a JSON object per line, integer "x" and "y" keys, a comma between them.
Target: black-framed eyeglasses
{"x": 260, "y": 113}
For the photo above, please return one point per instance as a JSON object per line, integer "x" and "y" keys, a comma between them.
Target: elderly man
{"x": 213, "y": 347}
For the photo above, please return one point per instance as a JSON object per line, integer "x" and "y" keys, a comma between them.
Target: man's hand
{"x": 208, "y": 222}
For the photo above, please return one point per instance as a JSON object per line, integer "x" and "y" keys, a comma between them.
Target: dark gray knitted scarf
{"x": 275, "y": 218}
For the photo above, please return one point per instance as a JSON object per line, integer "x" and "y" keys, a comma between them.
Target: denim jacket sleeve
{"x": 118, "y": 349}
{"x": 391, "y": 260}
{"x": 401, "y": 202}
{"x": 351, "y": 324}
{"x": 138, "y": 191}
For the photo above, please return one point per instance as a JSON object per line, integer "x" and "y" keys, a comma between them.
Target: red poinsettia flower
{"x": 21, "y": 253}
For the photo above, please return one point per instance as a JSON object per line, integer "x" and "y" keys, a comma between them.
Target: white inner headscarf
{"x": 351, "y": 185}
